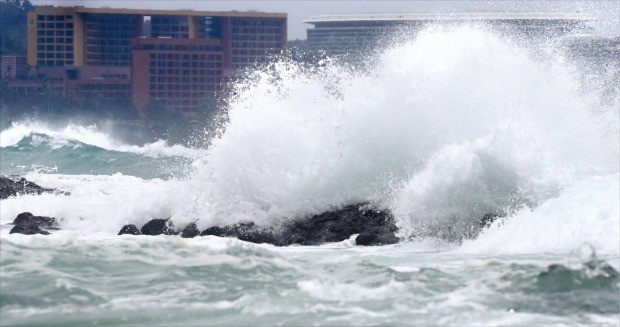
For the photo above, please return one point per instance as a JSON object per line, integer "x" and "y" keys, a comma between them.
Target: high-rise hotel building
{"x": 177, "y": 57}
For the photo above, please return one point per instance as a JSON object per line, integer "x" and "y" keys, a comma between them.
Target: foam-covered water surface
{"x": 72, "y": 280}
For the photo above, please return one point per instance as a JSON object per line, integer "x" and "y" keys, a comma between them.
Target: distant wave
{"x": 33, "y": 147}
{"x": 92, "y": 136}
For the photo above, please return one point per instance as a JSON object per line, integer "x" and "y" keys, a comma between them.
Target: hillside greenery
{"x": 13, "y": 15}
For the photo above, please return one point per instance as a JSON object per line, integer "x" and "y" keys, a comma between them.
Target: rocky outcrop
{"x": 26, "y": 218}
{"x": 377, "y": 236}
{"x": 129, "y": 229}
{"x": 29, "y": 224}
{"x": 190, "y": 231}
{"x": 28, "y": 230}
{"x": 219, "y": 231}
{"x": 251, "y": 232}
{"x": 159, "y": 227}
{"x": 339, "y": 225}
{"x": 245, "y": 231}
{"x": 14, "y": 186}
{"x": 372, "y": 226}
{"x": 376, "y": 227}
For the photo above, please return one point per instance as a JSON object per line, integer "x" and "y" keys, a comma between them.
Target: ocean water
{"x": 450, "y": 126}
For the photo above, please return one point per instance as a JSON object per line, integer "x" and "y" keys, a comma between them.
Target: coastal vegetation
{"x": 12, "y": 26}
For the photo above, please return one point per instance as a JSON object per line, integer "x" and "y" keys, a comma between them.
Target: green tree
{"x": 13, "y": 23}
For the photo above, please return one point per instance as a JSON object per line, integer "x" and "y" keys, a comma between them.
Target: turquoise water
{"x": 77, "y": 281}
{"x": 42, "y": 153}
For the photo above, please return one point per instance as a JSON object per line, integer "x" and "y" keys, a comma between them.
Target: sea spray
{"x": 438, "y": 137}
{"x": 451, "y": 126}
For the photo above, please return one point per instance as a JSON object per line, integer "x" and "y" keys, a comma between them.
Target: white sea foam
{"x": 90, "y": 135}
{"x": 585, "y": 213}
{"x": 97, "y": 203}
{"x": 450, "y": 126}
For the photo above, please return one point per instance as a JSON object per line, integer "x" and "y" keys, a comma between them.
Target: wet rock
{"x": 376, "y": 227}
{"x": 228, "y": 230}
{"x": 26, "y": 218}
{"x": 490, "y": 217}
{"x": 245, "y": 231}
{"x": 255, "y": 234}
{"x": 29, "y": 224}
{"x": 339, "y": 225}
{"x": 217, "y": 231}
{"x": 12, "y": 186}
{"x": 129, "y": 229}
{"x": 28, "y": 229}
{"x": 158, "y": 227}
{"x": 190, "y": 231}
{"x": 376, "y": 236}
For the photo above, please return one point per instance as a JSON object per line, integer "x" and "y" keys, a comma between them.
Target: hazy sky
{"x": 607, "y": 12}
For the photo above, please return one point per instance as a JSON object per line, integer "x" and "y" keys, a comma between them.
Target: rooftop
{"x": 152, "y": 12}
{"x": 448, "y": 16}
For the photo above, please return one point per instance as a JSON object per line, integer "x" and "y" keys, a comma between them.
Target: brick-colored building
{"x": 104, "y": 83}
{"x": 178, "y": 72}
{"x": 177, "y": 57}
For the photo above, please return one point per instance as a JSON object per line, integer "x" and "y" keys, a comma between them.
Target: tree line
{"x": 13, "y": 15}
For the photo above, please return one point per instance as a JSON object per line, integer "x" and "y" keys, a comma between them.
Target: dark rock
{"x": 376, "y": 236}
{"x": 190, "y": 231}
{"x": 255, "y": 234}
{"x": 158, "y": 227}
{"x": 29, "y": 224}
{"x": 26, "y": 218}
{"x": 217, "y": 231}
{"x": 13, "y": 186}
{"x": 129, "y": 229}
{"x": 245, "y": 231}
{"x": 339, "y": 225}
{"x": 376, "y": 227}
{"x": 28, "y": 229}
{"x": 227, "y": 230}
{"x": 490, "y": 217}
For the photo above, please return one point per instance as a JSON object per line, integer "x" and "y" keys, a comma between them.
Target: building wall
{"x": 180, "y": 73}
{"x": 140, "y": 85}
{"x": 36, "y": 87}
{"x": 354, "y": 36}
{"x": 347, "y": 39}
{"x": 14, "y": 67}
{"x": 186, "y": 59}
{"x": 99, "y": 89}
{"x": 54, "y": 35}
{"x": 108, "y": 38}
{"x": 176, "y": 27}
{"x": 255, "y": 40}
{"x": 79, "y": 34}
{"x": 31, "y": 34}
{"x": 105, "y": 83}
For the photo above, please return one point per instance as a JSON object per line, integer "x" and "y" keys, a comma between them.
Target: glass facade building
{"x": 350, "y": 34}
